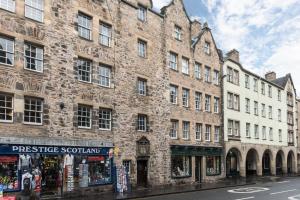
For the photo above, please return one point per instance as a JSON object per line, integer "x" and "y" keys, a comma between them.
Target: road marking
{"x": 284, "y": 182}
{"x": 297, "y": 197}
{"x": 246, "y": 198}
{"x": 248, "y": 190}
{"x": 283, "y": 192}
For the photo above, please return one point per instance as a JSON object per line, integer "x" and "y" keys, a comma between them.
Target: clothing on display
{"x": 26, "y": 181}
{"x": 25, "y": 162}
{"x": 69, "y": 160}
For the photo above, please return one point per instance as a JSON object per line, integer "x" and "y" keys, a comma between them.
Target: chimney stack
{"x": 234, "y": 55}
{"x": 270, "y": 76}
{"x": 195, "y": 28}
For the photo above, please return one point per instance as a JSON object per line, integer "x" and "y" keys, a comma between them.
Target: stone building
{"x": 86, "y": 85}
{"x": 298, "y": 132}
{"x": 194, "y": 70}
{"x": 259, "y": 121}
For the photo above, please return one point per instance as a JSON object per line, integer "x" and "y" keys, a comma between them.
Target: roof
{"x": 281, "y": 81}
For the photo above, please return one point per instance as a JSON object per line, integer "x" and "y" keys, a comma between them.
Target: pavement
{"x": 205, "y": 191}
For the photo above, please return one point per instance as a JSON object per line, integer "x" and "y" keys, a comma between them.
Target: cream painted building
{"x": 259, "y": 122}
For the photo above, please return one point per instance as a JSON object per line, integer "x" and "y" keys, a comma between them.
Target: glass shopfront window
{"x": 9, "y": 173}
{"x": 181, "y": 166}
{"x": 99, "y": 170}
{"x": 213, "y": 165}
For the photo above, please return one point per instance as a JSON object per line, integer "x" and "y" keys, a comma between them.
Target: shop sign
{"x": 25, "y": 149}
{"x": 195, "y": 151}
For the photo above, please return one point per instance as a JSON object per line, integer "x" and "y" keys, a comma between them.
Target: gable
{"x": 176, "y": 8}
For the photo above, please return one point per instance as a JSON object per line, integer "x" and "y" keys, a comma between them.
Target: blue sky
{"x": 265, "y": 32}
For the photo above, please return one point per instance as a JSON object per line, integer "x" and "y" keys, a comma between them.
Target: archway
{"x": 291, "y": 162}
{"x": 266, "y": 163}
{"x": 279, "y": 162}
{"x": 252, "y": 160}
{"x": 233, "y": 159}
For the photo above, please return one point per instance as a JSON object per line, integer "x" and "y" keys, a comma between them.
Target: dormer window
{"x": 178, "y": 32}
{"x": 207, "y": 47}
{"x": 142, "y": 13}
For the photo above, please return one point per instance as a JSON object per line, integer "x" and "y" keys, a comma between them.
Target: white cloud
{"x": 266, "y": 33}
{"x": 158, "y": 4}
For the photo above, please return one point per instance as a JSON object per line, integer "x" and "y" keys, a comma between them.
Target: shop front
{"x": 53, "y": 170}
{"x": 195, "y": 162}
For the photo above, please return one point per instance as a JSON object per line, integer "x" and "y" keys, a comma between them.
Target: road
{"x": 287, "y": 189}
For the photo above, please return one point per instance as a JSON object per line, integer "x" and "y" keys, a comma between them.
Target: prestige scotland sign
{"x": 24, "y": 149}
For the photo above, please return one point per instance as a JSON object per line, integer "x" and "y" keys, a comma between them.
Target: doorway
{"x": 142, "y": 173}
{"x": 198, "y": 168}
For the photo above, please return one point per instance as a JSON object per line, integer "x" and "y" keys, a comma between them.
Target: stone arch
{"x": 267, "y": 158}
{"x": 252, "y": 162}
{"x": 291, "y": 162}
{"x": 279, "y": 162}
{"x": 233, "y": 162}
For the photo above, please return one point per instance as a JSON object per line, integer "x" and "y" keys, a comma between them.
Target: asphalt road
{"x": 287, "y": 189}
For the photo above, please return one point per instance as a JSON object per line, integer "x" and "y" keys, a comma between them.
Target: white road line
{"x": 283, "y": 192}
{"x": 284, "y": 182}
{"x": 245, "y": 198}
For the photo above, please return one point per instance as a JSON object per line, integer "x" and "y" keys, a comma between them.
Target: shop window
{"x": 9, "y": 173}
{"x": 181, "y": 166}
{"x": 213, "y": 165}
{"x": 99, "y": 170}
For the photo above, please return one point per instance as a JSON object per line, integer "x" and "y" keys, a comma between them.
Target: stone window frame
{"x": 255, "y": 84}
{"x": 105, "y": 118}
{"x": 271, "y": 133}
{"x": 174, "y": 94}
{"x": 279, "y": 95}
{"x": 247, "y": 81}
{"x": 207, "y": 135}
{"x": 34, "y": 104}
{"x": 217, "y": 134}
{"x": 216, "y": 105}
{"x": 9, "y": 43}
{"x": 197, "y": 70}
{"x": 177, "y": 32}
{"x": 280, "y": 135}
{"x": 256, "y": 131}
{"x": 256, "y": 109}
{"x": 90, "y": 65}
{"x": 142, "y": 13}
{"x": 206, "y": 48}
{"x": 248, "y": 105}
{"x": 6, "y": 108}
{"x": 186, "y": 130}
{"x": 216, "y": 77}
{"x": 198, "y": 131}
{"x": 270, "y": 112}
{"x": 105, "y": 38}
{"x": 32, "y": 11}
{"x": 185, "y": 66}
{"x": 233, "y": 101}
{"x": 142, "y": 123}
{"x": 87, "y": 118}
{"x": 279, "y": 115}
{"x": 33, "y": 57}
{"x": 173, "y": 63}
{"x": 207, "y": 74}
{"x": 207, "y": 104}
{"x": 142, "y": 86}
{"x": 185, "y": 97}
{"x": 263, "y": 88}
{"x": 104, "y": 75}
{"x": 263, "y": 110}
{"x": 174, "y": 129}
{"x": 142, "y": 48}
{"x": 198, "y": 101}
{"x": 248, "y": 130}
{"x": 264, "y": 132}
{"x": 9, "y": 5}
{"x": 270, "y": 91}
{"x": 86, "y": 25}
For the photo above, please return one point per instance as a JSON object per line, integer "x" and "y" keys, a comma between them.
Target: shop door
{"x": 198, "y": 169}
{"x": 142, "y": 171}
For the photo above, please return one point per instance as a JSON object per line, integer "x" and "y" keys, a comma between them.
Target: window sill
{"x": 86, "y": 39}
{"x": 6, "y": 121}
{"x": 104, "y": 86}
{"x": 173, "y": 138}
{"x": 185, "y": 74}
{"x": 86, "y": 82}
{"x": 175, "y": 70}
{"x": 102, "y": 129}
{"x": 34, "y": 71}
{"x": 86, "y": 128}
{"x": 105, "y": 46}
{"x": 34, "y": 20}
{"x": 6, "y": 65}
{"x": 32, "y": 124}
{"x": 142, "y": 131}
